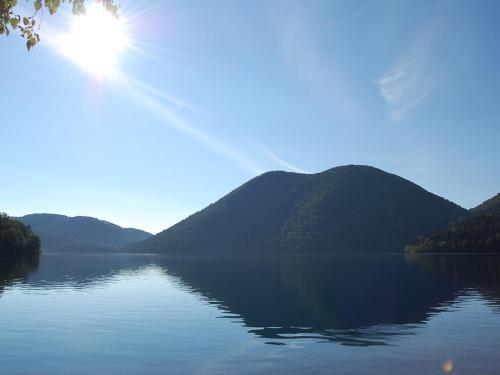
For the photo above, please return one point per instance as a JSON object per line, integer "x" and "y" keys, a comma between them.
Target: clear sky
{"x": 213, "y": 93}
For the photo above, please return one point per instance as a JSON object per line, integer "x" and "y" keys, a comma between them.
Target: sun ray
{"x": 95, "y": 43}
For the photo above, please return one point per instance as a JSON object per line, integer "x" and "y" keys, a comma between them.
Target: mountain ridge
{"x": 349, "y": 208}
{"x": 61, "y": 233}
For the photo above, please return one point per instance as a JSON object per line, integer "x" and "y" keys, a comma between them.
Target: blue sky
{"x": 214, "y": 93}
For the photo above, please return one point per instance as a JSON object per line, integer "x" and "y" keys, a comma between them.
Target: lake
{"x": 133, "y": 314}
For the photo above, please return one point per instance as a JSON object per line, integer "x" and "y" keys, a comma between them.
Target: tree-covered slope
{"x": 479, "y": 232}
{"x": 61, "y": 233}
{"x": 490, "y": 206}
{"x": 344, "y": 209}
{"x": 16, "y": 238}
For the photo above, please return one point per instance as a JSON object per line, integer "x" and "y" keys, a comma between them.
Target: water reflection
{"x": 480, "y": 273}
{"x": 351, "y": 300}
{"x": 84, "y": 271}
{"x": 326, "y": 298}
{"x": 17, "y": 269}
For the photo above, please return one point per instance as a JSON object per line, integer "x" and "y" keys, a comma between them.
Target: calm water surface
{"x": 126, "y": 314}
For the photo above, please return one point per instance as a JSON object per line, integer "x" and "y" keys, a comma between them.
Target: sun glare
{"x": 95, "y": 41}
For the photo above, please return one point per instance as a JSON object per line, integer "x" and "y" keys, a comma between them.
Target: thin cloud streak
{"x": 179, "y": 103}
{"x": 288, "y": 166}
{"x": 137, "y": 92}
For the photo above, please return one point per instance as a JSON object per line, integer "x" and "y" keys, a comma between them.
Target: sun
{"x": 95, "y": 41}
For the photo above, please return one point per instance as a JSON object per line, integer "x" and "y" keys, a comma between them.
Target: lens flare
{"x": 447, "y": 366}
{"x": 95, "y": 42}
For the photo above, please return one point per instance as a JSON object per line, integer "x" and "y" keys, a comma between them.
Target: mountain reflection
{"x": 84, "y": 271}
{"x": 352, "y": 300}
{"x": 480, "y": 273}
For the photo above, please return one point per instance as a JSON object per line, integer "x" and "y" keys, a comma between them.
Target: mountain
{"x": 490, "y": 206}
{"x": 16, "y": 239}
{"x": 351, "y": 208}
{"x": 61, "y": 233}
{"x": 479, "y": 232}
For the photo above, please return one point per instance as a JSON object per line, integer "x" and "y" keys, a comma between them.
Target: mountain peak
{"x": 352, "y": 208}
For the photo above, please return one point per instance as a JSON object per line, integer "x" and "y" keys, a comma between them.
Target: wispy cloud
{"x": 413, "y": 78}
{"x": 299, "y": 38}
{"x": 283, "y": 163}
{"x": 358, "y": 11}
{"x": 404, "y": 87}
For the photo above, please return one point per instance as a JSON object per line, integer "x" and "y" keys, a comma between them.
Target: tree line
{"x": 17, "y": 238}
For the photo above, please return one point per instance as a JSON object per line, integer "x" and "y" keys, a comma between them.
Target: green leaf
{"x": 38, "y": 5}
{"x": 31, "y": 42}
{"x": 14, "y": 22}
{"x": 26, "y": 21}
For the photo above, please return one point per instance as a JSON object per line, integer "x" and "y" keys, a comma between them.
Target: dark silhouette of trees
{"x": 480, "y": 232}
{"x": 17, "y": 238}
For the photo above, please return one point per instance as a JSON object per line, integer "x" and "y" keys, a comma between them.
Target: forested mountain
{"x": 61, "y": 233}
{"x": 479, "y": 232}
{"x": 344, "y": 209}
{"x": 490, "y": 206}
{"x": 17, "y": 238}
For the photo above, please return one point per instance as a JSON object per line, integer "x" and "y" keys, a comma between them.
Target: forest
{"x": 17, "y": 238}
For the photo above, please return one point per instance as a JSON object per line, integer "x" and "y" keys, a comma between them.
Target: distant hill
{"x": 344, "y": 209}
{"x": 479, "y": 232}
{"x": 16, "y": 239}
{"x": 61, "y": 233}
